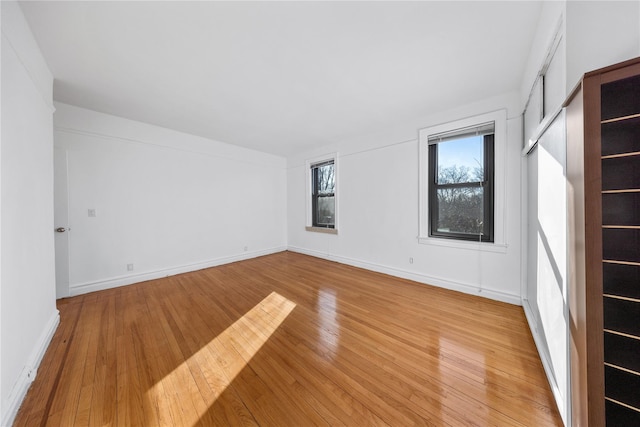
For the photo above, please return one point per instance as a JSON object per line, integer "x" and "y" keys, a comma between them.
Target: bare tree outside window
{"x": 323, "y": 194}
{"x": 460, "y": 209}
{"x": 461, "y": 187}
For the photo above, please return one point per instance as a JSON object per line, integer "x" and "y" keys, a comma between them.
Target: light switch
{"x": 92, "y": 212}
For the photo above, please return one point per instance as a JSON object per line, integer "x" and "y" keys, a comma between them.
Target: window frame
{"x": 311, "y": 198}
{"x": 499, "y": 244}
{"x": 315, "y": 195}
{"x": 487, "y": 197}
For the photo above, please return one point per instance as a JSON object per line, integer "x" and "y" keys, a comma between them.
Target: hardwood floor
{"x": 288, "y": 340}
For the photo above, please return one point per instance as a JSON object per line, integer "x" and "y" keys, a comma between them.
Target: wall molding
{"x": 29, "y": 371}
{"x": 406, "y": 132}
{"x": 416, "y": 277}
{"x": 130, "y": 279}
{"x": 202, "y": 152}
{"x": 545, "y": 357}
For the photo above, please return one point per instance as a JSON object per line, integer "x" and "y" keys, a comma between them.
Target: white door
{"x": 61, "y": 221}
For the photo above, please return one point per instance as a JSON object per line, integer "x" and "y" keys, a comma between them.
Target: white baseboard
{"x": 545, "y": 357}
{"x": 29, "y": 371}
{"x": 416, "y": 277}
{"x": 114, "y": 282}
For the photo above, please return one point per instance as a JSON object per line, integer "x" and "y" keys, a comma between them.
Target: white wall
{"x": 29, "y": 316}
{"x": 378, "y": 209}
{"x": 600, "y": 33}
{"x": 165, "y": 201}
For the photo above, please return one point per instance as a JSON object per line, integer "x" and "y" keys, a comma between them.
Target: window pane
{"x": 460, "y": 210}
{"x": 326, "y": 180}
{"x": 326, "y": 211}
{"x": 461, "y": 160}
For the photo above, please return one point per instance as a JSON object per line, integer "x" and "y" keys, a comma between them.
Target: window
{"x": 546, "y": 96}
{"x": 463, "y": 183}
{"x": 323, "y": 198}
{"x": 461, "y": 165}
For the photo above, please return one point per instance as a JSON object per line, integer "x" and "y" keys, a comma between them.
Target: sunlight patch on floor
{"x": 203, "y": 377}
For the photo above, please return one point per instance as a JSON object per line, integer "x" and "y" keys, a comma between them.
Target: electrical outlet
{"x": 129, "y": 267}
{"x": 246, "y": 248}
{"x": 91, "y": 212}
{"x": 410, "y": 260}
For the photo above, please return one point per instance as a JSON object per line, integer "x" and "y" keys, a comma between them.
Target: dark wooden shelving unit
{"x": 620, "y": 142}
{"x": 603, "y": 170}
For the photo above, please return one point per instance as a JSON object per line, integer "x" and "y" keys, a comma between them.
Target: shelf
{"x": 622, "y": 280}
{"x": 619, "y": 414}
{"x": 624, "y": 190}
{"x": 623, "y": 227}
{"x": 622, "y": 334}
{"x": 620, "y": 119}
{"x": 621, "y": 173}
{"x": 612, "y": 261}
{"x": 622, "y": 351}
{"x": 621, "y": 315}
{"x": 621, "y": 210}
{"x": 621, "y": 244}
{"x": 620, "y": 98}
{"x": 622, "y": 136}
{"x": 623, "y": 404}
{"x": 621, "y": 297}
{"x": 615, "y": 156}
{"x": 631, "y": 371}
{"x": 622, "y": 385}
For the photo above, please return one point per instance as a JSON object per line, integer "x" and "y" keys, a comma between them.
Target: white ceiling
{"x": 281, "y": 77}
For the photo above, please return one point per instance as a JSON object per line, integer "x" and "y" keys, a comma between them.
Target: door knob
{"x": 61, "y": 229}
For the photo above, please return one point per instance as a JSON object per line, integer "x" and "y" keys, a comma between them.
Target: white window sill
{"x": 462, "y": 244}
{"x": 322, "y": 230}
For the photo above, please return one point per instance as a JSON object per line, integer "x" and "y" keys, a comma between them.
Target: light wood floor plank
{"x": 288, "y": 340}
